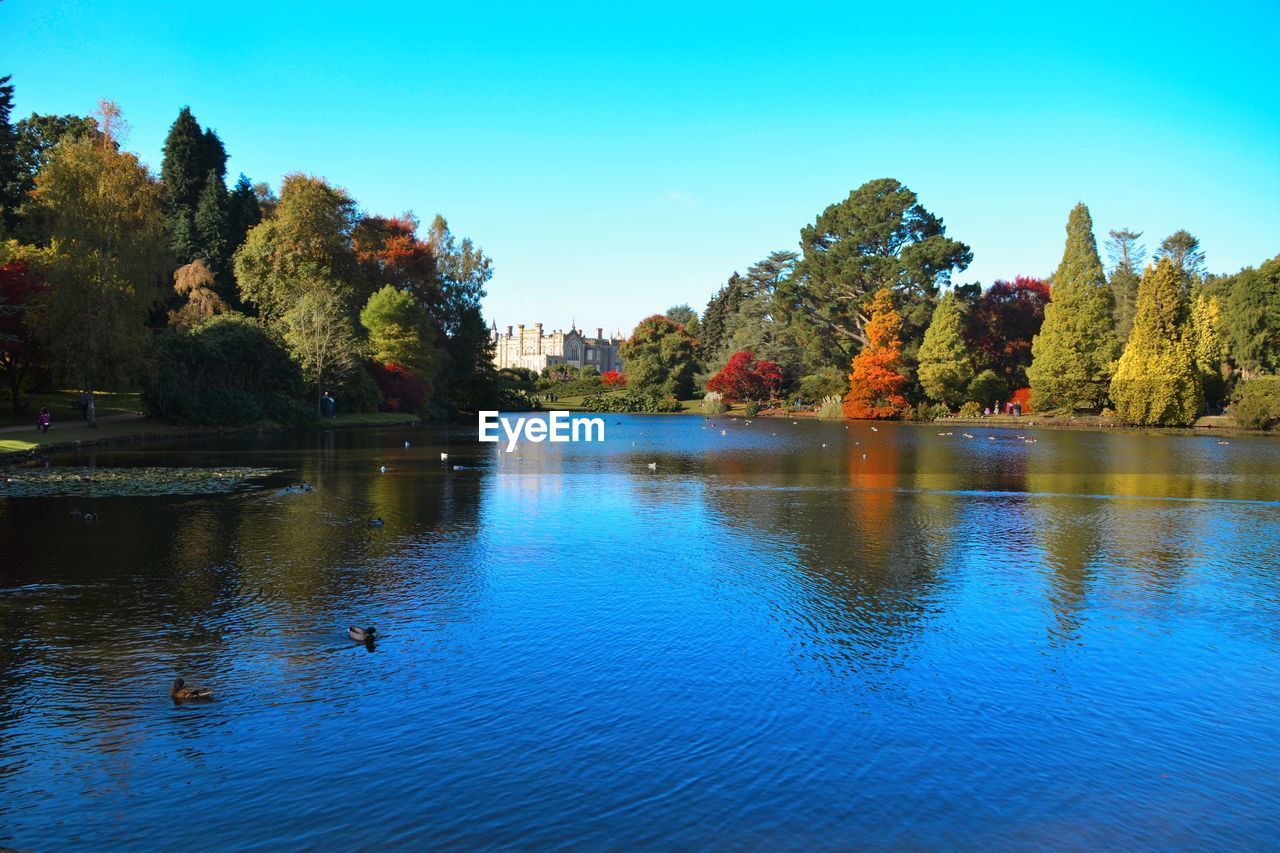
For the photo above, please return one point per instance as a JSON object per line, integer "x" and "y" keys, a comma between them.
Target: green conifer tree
{"x": 1156, "y": 383}
{"x": 243, "y": 212}
{"x": 945, "y": 369}
{"x": 1073, "y": 354}
{"x": 212, "y": 245}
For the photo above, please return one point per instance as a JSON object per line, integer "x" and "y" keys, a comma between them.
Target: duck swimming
{"x": 376, "y": 521}
{"x": 362, "y": 635}
{"x": 178, "y": 692}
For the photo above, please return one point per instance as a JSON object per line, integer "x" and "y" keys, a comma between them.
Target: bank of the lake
{"x": 1216, "y": 424}
{"x": 25, "y": 443}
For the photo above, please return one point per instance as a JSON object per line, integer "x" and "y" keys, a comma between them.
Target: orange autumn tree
{"x": 875, "y": 375}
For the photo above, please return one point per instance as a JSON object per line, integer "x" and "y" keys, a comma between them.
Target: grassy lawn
{"x": 11, "y": 442}
{"x": 62, "y": 405}
{"x": 369, "y": 419}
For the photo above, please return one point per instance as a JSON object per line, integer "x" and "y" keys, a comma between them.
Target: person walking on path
{"x": 44, "y": 420}
{"x": 91, "y": 412}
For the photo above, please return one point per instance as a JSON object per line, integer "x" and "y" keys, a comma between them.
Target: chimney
{"x": 537, "y": 327}
{"x": 508, "y": 331}
{"x": 599, "y": 332}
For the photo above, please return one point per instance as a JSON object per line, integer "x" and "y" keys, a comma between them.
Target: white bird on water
{"x": 875, "y": 429}
{"x": 382, "y": 469}
{"x": 724, "y": 432}
{"x": 824, "y": 444}
{"x": 444, "y": 457}
{"x": 406, "y": 444}
{"x": 653, "y": 466}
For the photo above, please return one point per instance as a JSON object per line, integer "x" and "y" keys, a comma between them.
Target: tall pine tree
{"x": 10, "y": 171}
{"x": 1126, "y": 256}
{"x": 1156, "y": 382}
{"x": 1072, "y": 355}
{"x": 243, "y": 212}
{"x": 192, "y": 158}
{"x": 212, "y": 243}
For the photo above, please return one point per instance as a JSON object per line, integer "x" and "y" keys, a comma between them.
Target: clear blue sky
{"x": 615, "y": 159}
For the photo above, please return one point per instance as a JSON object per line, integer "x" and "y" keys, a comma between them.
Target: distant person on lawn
{"x": 44, "y": 420}
{"x": 91, "y": 413}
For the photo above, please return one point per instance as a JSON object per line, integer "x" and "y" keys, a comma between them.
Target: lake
{"x": 788, "y": 635}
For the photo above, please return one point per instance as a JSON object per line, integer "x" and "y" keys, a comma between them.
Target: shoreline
{"x": 1205, "y": 425}
{"x": 161, "y": 430}
{"x": 156, "y": 430}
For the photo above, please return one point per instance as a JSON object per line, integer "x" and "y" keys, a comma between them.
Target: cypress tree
{"x": 243, "y": 212}
{"x": 1072, "y": 355}
{"x": 210, "y": 221}
{"x": 10, "y": 171}
{"x": 715, "y": 320}
{"x": 1156, "y": 383}
{"x": 192, "y": 157}
{"x": 945, "y": 369}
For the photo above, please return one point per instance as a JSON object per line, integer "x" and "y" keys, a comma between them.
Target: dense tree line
{"x": 867, "y": 311}
{"x": 221, "y": 303}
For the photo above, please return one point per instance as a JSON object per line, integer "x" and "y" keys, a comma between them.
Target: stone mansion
{"x": 532, "y": 349}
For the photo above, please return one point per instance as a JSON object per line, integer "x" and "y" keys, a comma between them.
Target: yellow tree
{"x": 108, "y": 256}
{"x": 1156, "y": 383}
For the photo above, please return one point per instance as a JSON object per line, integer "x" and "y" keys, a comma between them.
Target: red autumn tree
{"x": 1002, "y": 323}
{"x": 613, "y": 379}
{"x": 389, "y": 252}
{"x": 745, "y": 378}
{"x": 20, "y": 291}
{"x": 401, "y": 391}
{"x": 875, "y": 375}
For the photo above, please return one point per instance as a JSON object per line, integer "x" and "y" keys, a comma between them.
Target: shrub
{"x": 1023, "y": 396}
{"x": 970, "y": 409}
{"x": 831, "y": 408}
{"x": 752, "y": 408}
{"x": 713, "y": 403}
{"x": 356, "y": 392}
{"x": 988, "y": 388}
{"x": 1257, "y": 403}
{"x": 637, "y": 401}
{"x": 400, "y": 390}
{"x": 613, "y": 379}
{"x": 746, "y": 378}
{"x": 929, "y": 412}
{"x": 226, "y": 371}
{"x": 827, "y": 382}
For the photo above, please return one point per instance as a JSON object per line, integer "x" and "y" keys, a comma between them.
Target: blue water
{"x": 765, "y": 643}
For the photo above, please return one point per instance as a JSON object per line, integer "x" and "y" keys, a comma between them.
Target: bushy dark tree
{"x": 1251, "y": 319}
{"x": 243, "y": 212}
{"x": 1002, "y": 323}
{"x": 660, "y": 356}
{"x": 225, "y": 371}
{"x": 878, "y": 237}
{"x": 723, "y": 305}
